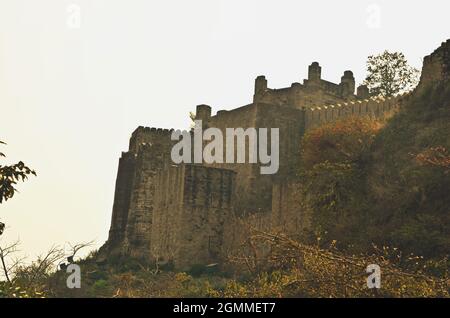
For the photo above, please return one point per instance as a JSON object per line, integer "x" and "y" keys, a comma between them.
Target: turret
{"x": 260, "y": 84}
{"x": 362, "y": 92}
{"x": 314, "y": 72}
{"x": 203, "y": 113}
{"x": 260, "y": 87}
{"x": 347, "y": 83}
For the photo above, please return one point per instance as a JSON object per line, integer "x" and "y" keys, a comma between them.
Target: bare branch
{"x": 74, "y": 249}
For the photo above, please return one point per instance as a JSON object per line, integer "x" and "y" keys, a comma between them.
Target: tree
{"x": 5, "y": 252}
{"x": 9, "y": 176}
{"x": 390, "y": 74}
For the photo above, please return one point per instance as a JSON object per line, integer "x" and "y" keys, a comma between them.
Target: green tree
{"x": 389, "y": 74}
{"x": 10, "y": 175}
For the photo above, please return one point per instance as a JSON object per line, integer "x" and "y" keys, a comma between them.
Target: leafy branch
{"x": 9, "y": 177}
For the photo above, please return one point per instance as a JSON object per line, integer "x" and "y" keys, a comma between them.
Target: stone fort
{"x": 184, "y": 213}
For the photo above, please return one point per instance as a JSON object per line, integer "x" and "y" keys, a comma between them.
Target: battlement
{"x": 313, "y": 90}
{"x": 374, "y": 107}
{"x": 151, "y": 131}
{"x": 149, "y": 135}
{"x": 203, "y": 112}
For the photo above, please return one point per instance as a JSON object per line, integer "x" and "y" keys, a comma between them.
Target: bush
{"x": 100, "y": 288}
{"x": 333, "y": 162}
{"x": 197, "y": 269}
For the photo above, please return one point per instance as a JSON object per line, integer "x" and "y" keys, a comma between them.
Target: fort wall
{"x": 243, "y": 117}
{"x": 197, "y": 214}
{"x": 122, "y": 197}
{"x": 151, "y": 136}
{"x": 375, "y": 107}
{"x": 192, "y": 205}
{"x": 436, "y": 66}
{"x": 149, "y": 159}
{"x": 167, "y": 215}
{"x": 288, "y": 213}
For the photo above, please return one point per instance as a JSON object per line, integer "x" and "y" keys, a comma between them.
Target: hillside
{"x": 375, "y": 181}
{"x": 409, "y": 176}
{"x": 385, "y": 181}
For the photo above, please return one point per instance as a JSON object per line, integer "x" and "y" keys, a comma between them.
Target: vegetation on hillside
{"x": 384, "y": 181}
{"x": 289, "y": 269}
{"x": 409, "y": 176}
{"x": 333, "y": 160}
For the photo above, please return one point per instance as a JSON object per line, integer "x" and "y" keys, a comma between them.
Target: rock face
{"x": 183, "y": 213}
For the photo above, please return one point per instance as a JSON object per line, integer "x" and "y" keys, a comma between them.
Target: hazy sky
{"x": 71, "y": 93}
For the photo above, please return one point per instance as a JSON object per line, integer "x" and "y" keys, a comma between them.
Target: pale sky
{"x": 71, "y": 94}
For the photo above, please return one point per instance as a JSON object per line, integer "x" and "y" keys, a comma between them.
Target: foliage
{"x": 112, "y": 281}
{"x": 293, "y": 269}
{"x": 17, "y": 291}
{"x": 280, "y": 267}
{"x": 383, "y": 181}
{"x": 333, "y": 158}
{"x": 390, "y": 74}
{"x": 197, "y": 270}
{"x": 38, "y": 278}
{"x": 28, "y": 280}
{"x": 435, "y": 156}
{"x": 345, "y": 140}
{"x": 409, "y": 178}
{"x": 329, "y": 192}
{"x": 10, "y": 175}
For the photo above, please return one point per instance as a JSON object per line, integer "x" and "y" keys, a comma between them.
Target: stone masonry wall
{"x": 138, "y": 230}
{"x": 436, "y": 66}
{"x": 375, "y": 107}
{"x": 288, "y": 215}
{"x": 151, "y": 149}
{"x": 122, "y": 197}
{"x": 243, "y": 117}
{"x": 192, "y": 205}
{"x": 195, "y": 214}
{"x": 167, "y": 213}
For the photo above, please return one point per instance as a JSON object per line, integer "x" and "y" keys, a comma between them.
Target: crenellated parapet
{"x": 314, "y": 90}
{"x": 149, "y": 135}
{"x": 375, "y": 107}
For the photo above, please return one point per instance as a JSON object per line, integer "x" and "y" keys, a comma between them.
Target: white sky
{"x": 70, "y": 97}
